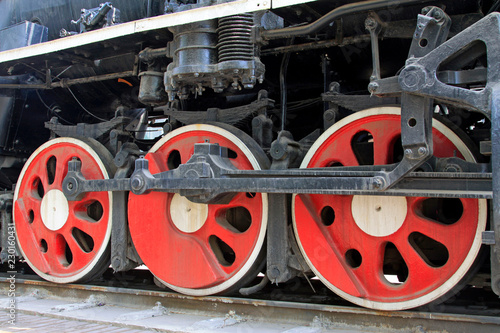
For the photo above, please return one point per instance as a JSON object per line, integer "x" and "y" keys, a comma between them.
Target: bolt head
{"x": 438, "y": 14}
{"x": 137, "y": 183}
{"x": 370, "y": 23}
{"x": 373, "y": 87}
{"x": 378, "y": 182}
{"x": 329, "y": 115}
{"x": 422, "y": 151}
{"x": 452, "y": 168}
{"x": 278, "y": 152}
{"x": 413, "y": 78}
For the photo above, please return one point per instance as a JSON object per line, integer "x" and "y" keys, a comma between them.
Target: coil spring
{"x": 235, "y": 38}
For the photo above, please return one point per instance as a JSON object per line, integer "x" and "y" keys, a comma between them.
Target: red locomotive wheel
{"x": 384, "y": 252}
{"x": 201, "y": 249}
{"x": 63, "y": 241}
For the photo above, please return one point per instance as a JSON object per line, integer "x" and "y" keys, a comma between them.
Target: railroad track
{"x": 131, "y": 303}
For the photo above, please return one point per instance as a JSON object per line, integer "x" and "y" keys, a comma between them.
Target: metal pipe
{"x": 283, "y": 88}
{"x": 149, "y": 54}
{"x": 326, "y": 20}
{"x": 316, "y": 45}
{"x": 69, "y": 82}
{"x": 256, "y": 288}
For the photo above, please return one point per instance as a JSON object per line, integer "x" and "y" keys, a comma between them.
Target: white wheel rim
{"x": 461, "y": 271}
{"x": 83, "y": 273}
{"x": 259, "y": 242}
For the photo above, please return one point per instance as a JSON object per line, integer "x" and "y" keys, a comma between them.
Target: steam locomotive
{"x": 213, "y": 140}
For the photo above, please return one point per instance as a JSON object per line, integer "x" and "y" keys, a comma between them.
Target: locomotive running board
{"x": 135, "y": 27}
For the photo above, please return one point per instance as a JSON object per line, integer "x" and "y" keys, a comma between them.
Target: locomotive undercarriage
{"x": 222, "y": 200}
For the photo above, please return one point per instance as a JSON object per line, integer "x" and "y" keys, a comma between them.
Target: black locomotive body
{"x": 213, "y": 140}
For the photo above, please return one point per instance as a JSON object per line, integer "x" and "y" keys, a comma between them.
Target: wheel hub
{"x": 186, "y": 215}
{"x": 379, "y": 216}
{"x": 54, "y": 210}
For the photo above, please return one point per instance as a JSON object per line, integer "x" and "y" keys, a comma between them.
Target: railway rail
{"x": 136, "y": 296}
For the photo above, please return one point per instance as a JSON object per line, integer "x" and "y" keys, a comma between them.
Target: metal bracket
{"x": 284, "y": 152}
{"x": 262, "y": 130}
{"x": 374, "y": 25}
{"x": 416, "y": 137}
{"x": 7, "y": 235}
{"x": 488, "y": 237}
{"x": 103, "y": 16}
{"x": 419, "y": 82}
{"x": 419, "y": 77}
{"x": 433, "y": 26}
{"x": 495, "y": 161}
{"x": 332, "y": 114}
{"x": 123, "y": 254}
{"x": 94, "y": 131}
{"x": 416, "y": 111}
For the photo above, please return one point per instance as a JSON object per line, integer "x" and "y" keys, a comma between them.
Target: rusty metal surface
{"x": 326, "y": 316}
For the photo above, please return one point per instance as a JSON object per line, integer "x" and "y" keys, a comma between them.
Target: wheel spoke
{"x": 80, "y": 255}
{"x": 92, "y": 207}
{"x": 238, "y": 243}
{"x": 444, "y": 234}
{"x": 369, "y": 272}
{"x": 246, "y": 200}
{"x": 61, "y": 171}
{"x": 420, "y": 274}
{"x": 40, "y": 172}
{"x": 55, "y": 246}
{"x": 95, "y": 230}
{"x": 338, "y": 152}
{"x": 79, "y": 222}
{"x": 450, "y": 235}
